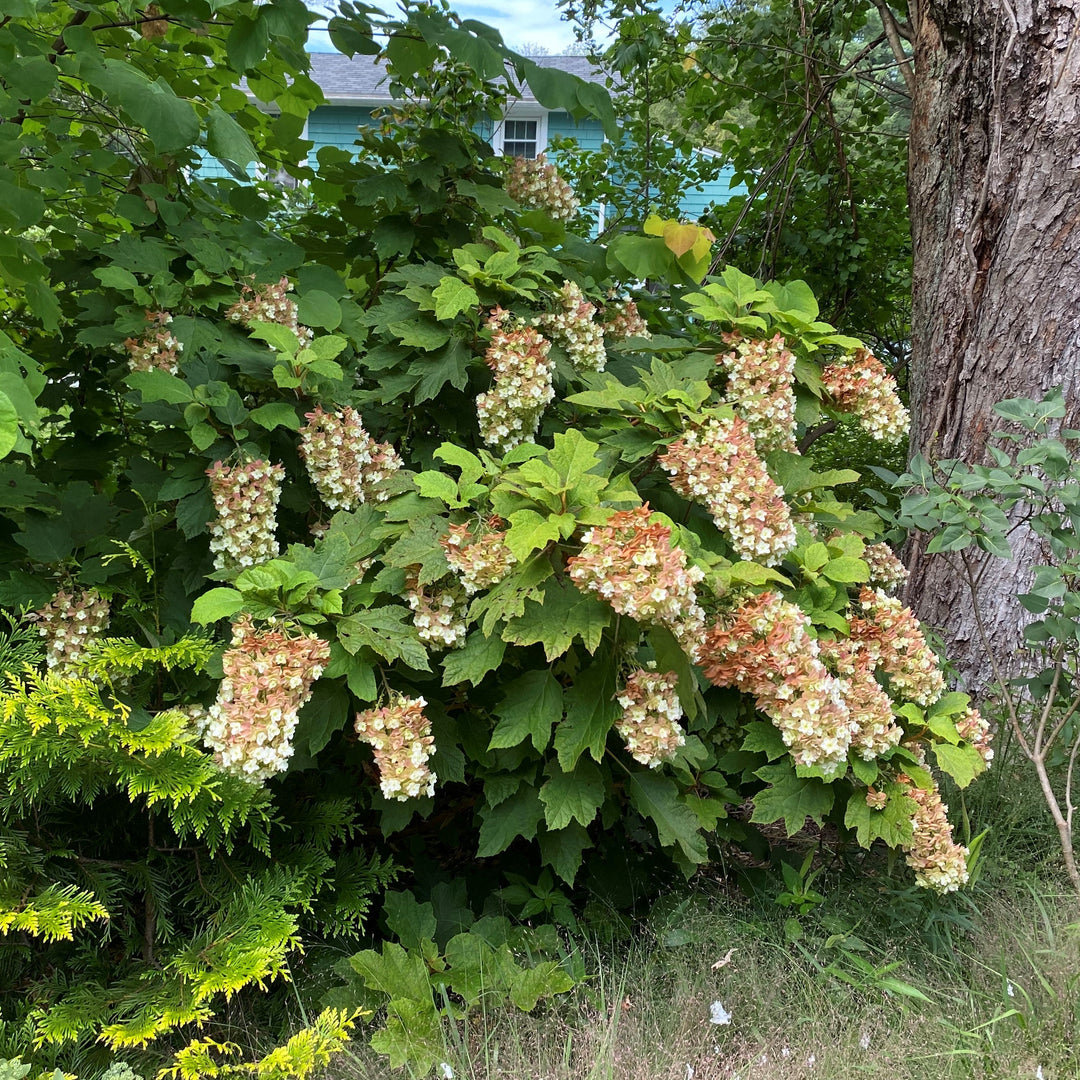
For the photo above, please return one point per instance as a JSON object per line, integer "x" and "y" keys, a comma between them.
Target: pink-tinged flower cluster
{"x": 760, "y": 384}
{"x": 635, "y": 567}
{"x": 886, "y": 570}
{"x": 536, "y": 185}
{"x": 860, "y": 385}
{"x": 764, "y": 648}
{"x": 975, "y": 730}
{"x": 439, "y": 616}
{"x": 268, "y": 677}
{"x": 870, "y": 708}
{"x": 69, "y": 623}
{"x": 509, "y": 413}
{"x": 892, "y": 636}
{"x": 718, "y": 465}
{"x": 400, "y": 736}
{"x": 623, "y": 320}
{"x": 479, "y": 560}
{"x": 245, "y": 498}
{"x": 876, "y": 800}
{"x": 156, "y": 348}
{"x": 939, "y": 863}
{"x": 649, "y": 724}
{"x": 269, "y": 303}
{"x": 575, "y": 329}
{"x": 346, "y": 465}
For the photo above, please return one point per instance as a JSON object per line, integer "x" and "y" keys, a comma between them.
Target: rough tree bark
{"x": 994, "y": 180}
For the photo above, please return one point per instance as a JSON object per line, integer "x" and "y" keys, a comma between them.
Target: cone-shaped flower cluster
{"x": 718, "y": 465}
{"x": 268, "y": 677}
{"x": 760, "y": 384}
{"x": 870, "y": 708}
{"x": 68, "y": 623}
{"x": 649, "y": 724}
{"x": 892, "y": 636}
{"x": 623, "y": 320}
{"x": 976, "y": 731}
{"x": 439, "y": 616}
{"x": 156, "y": 348}
{"x": 634, "y": 567}
{"x": 509, "y": 413}
{"x": 886, "y": 570}
{"x": 536, "y": 185}
{"x": 346, "y": 465}
{"x": 245, "y": 498}
{"x": 269, "y": 303}
{"x": 939, "y": 863}
{"x": 479, "y": 561}
{"x": 400, "y": 736}
{"x": 861, "y": 385}
{"x": 575, "y": 329}
{"x": 764, "y": 649}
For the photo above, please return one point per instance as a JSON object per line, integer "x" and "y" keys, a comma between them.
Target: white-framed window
{"x": 521, "y": 135}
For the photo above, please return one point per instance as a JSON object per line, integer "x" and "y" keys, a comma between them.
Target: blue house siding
{"x": 336, "y": 125}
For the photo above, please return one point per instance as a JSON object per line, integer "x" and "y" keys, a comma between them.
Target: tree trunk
{"x": 994, "y": 180}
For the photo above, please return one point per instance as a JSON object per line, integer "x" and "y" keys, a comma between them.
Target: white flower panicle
{"x": 576, "y": 330}
{"x": 536, "y": 185}
{"x": 973, "y": 728}
{"x": 269, "y": 674}
{"x": 761, "y": 385}
{"x": 509, "y": 413}
{"x": 764, "y": 648}
{"x": 860, "y": 385}
{"x": 346, "y": 465}
{"x": 649, "y": 724}
{"x": 718, "y": 465}
{"x": 70, "y": 622}
{"x": 623, "y": 320}
{"x": 892, "y": 636}
{"x": 886, "y": 570}
{"x": 939, "y": 863}
{"x": 156, "y": 348}
{"x": 439, "y": 616}
{"x": 870, "y": 708}
{"x": 635, "y": 567}
{"x": 269, "y": 303}
{"x": 400, "y": 737}
{"x": 478, "y": 560}
{"x": 245, "y": 498}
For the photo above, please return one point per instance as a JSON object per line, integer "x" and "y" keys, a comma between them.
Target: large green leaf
{"x": 532, "y": 705}
{"x": 385, "y": 631}
{"x": 572, "y": 795}
{"x": 794, "y": 799}
{"x": 656, "y": 798}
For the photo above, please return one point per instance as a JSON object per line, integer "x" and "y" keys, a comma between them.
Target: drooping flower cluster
{"x": 479, "y": 560}
{"x": 892, "y": 636}
{"x": 764, "y": 649}
{"x": 245, "y": 498}
{"x": 760, "y": 384}
{"x": 400, "y": 736}
{"x": 972, "y": 727}
{"x": 268, "y": 677}
{"x": 536, "y": 185}
{"x": 156, "y": 348}
{"x": 509, "y": 413}
{"x": 876, "y": 800}
{"x": 939, "y": 863}
{"x": 718, "y": 465}
{"x": 346, "y": 465}
{"x": 439, "y": 616}
{"x": 634, "y": 567}
{"x": 649, "y": 724}
{"x": 870, "y": 708}
{"x": 860, "y": 385}
{"x": 623, "y": 320}
{"x": 269, "y": 303}
{"x": 575, "y": 329}
{"x": 886, "y": 570}
{"x": 69, "y": 623}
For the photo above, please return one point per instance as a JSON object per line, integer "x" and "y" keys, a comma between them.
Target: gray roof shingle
{"x": 362, "y": 79}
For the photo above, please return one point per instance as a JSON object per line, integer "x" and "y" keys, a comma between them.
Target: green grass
{"x": 879, "y": 980}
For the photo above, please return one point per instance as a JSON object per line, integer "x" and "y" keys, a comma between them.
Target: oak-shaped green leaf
{"x": 591, "y": 712}
{"x": 963, "y": 763}
{"x": 503, "y": 824}
{"x": 388, "y": 632}
{"x": 216, "y": 604}
{"x": 657, "y": 799}
{"x": 563, "y": 614}
{"x": 562, "y": 850}
{"x": 479, "y": 655}
{"x": 794, "y": 799}
{"x": 453, "y": 296}
{"x": 572, "y": 795}
{"x": 532, "y": 705}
